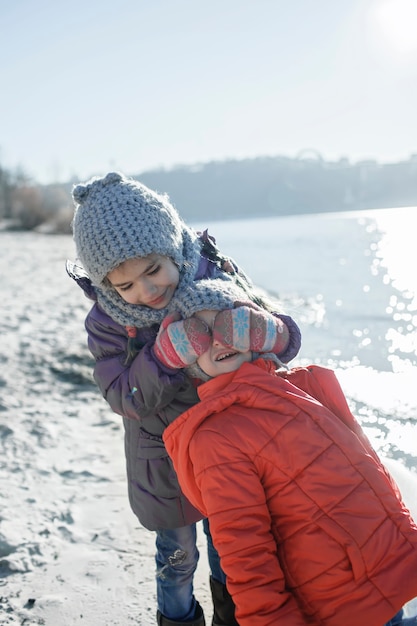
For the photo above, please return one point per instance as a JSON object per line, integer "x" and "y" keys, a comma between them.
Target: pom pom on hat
{"x": 118, "y": 218}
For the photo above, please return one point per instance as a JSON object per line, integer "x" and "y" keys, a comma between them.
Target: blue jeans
{"x": 176, "y": 561}
{"x": 400, "y": 620}
{"x": 213, "y": 556}
{"x": 397, "y": 620}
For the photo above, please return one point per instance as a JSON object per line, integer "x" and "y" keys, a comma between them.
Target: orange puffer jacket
{"x": 310, "y": 527}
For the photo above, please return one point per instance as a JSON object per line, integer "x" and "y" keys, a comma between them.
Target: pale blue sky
{"x": 93, "y": 85}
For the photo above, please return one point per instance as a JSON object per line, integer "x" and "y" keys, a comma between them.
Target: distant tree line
{"x": 283, "y": 186}
{"x": 233, "y": 189}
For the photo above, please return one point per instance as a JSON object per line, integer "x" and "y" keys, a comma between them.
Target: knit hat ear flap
{"x": 117, "y": 218}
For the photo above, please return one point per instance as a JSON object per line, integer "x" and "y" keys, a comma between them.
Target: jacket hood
{"x": 77, "y": 273}
{"x": 216, "y": 396}
{"x": 215, "y": 399}
{"x": 306, "y": 387}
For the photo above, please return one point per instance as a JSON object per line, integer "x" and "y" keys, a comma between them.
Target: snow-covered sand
{"x": 71, "y": 551}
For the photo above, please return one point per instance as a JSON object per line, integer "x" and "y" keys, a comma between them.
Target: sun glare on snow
{"x": 397, "y": 22}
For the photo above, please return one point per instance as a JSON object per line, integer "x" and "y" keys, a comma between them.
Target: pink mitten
{"x": 180, "y": 343}
{"x": 246, "y": 328}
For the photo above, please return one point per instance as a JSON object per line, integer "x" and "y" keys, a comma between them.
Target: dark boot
{"x": 224, "y": 607}
{"x": 197, "y": 621}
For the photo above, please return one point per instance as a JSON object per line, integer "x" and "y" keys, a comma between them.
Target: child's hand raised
{"x": 180, "y": 343}
{"x": 246, "y": 328}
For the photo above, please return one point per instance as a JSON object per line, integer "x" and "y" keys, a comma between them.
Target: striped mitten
{"x": 246, "y": 328}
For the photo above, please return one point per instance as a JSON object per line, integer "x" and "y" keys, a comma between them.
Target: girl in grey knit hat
{"x": 141, "y": 266}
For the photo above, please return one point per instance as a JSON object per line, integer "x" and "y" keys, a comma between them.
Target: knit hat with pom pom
{"x": 117, "y": 218}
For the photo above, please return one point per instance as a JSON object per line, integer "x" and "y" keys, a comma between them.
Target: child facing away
{"x": 309, "y": 525}
{"x": 140, "y": 264}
